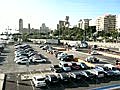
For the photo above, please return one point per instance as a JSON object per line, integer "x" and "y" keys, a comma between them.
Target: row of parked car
{"x": 24, "y": 53}
{"x": 95, "y": 74}
{"x": 68, "y": 70}
{"x": 67, "y": 61}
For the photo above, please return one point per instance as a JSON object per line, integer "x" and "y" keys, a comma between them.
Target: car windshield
{"x": 64, "y": 75}
{"x": 40, "y": 79}
{"x": 74, "y": 64}
{"x": 53, "y": 77}
{"x": 56, "y": 66}
{"x": 88, "y": 73}
{"x": 83, "y": 65}
{"x": 65, "y": 65}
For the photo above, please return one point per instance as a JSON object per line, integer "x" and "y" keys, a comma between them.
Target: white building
{"x": 106, "y": 23}
{"x": 84, "y": 24}
{"x": 44, "y": 29}
{"x": 118, "y": 23}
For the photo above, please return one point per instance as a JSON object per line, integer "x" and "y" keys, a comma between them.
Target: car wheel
{"x": 19, "y": 63}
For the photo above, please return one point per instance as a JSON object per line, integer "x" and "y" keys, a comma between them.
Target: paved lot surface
{"x": 13, "y": 82}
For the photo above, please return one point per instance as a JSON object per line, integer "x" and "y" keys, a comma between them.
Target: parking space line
{"x": 32, "y": 85}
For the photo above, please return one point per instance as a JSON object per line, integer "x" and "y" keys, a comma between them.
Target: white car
{"x": 94, "y": 53}
{"x": 39, "y": 81}
{"x": 92, "y": 59}
{"x": 23, "y": 61}
{"x": 20, "y": 57}
{"x": 37, "y": 59}
{"x": 65, "y": 66}
{"x": 59, "y": 56}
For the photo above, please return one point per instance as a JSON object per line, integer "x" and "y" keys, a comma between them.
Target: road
{"x": 13, "y": 81}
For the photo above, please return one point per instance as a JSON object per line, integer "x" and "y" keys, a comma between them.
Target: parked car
{"x": 111, "y": 69}
{"x": 51, "y": 78}
{"x": 39, "y": 81}
{"x": 23, "y": 61}
{"x": 90, "y": 76}
{"x": 92, "y": 59}
{"x": 76, "y": 76}
{"x": 51, "y": 50}
{"x": 21, "y": 54}
{"x": 37, "y": 59}
{"x": 76, "y": 48}
{"x": 84, "y": 44}
{"x": 45, "y": 47}
{"x": 56, "y": 68}
{"x": 74, "y": 66}
{"x": 83, "y": 66}
{"x": 94, "y": 52}
{"x": 99, "y": 71}
{"x": 19, "y": 58}
{"x": 64, "y": 77}
{"x": 59, "y": 56}
{"x": 65, "y": 66}
{"x": 67, "y": 58}
{"x": 56, "y": 53}
{"x": 40, "y": 46}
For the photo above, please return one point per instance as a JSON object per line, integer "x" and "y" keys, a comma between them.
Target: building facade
{"x": 28, "y": 30}
{"x": 84, "y": 24}
{"x": 106, "y": 23}
{"x": 20, "y": 24}
{"x": 118, "y": 22}
{"x": 44, "y": 29}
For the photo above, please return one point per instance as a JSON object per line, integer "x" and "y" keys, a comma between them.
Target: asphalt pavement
{"x": 12, "y": 70}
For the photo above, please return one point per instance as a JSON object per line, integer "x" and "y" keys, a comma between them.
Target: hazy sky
{"x": 50, "y": 12}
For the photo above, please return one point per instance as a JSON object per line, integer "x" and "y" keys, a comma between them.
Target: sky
{"x": 50, "y": 12}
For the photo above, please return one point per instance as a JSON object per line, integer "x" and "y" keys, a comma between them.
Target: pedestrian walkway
{"x": 2, "y": 77}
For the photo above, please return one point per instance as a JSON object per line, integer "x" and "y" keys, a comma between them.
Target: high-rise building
{"x": 44, "y": 29}
{"x": 84, "y": 24}
{"x": 67, "y": 23}
{"x": 20, "y": 24}
{"x": 61, "y": 24}
{"x": 118, "y": 23}
{"x": 29, "y": 29}
{"x": 106, "y": 23}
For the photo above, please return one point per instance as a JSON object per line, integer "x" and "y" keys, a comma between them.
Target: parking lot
{"x": 12, "y": 69}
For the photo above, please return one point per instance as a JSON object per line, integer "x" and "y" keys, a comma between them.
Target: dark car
{"x": 63, "y": 77}
{"x": 67, "y": 58}
{"x": 56, "y": 53}
{"x": 74, "y": 66}
{"x": 76, "y": 76}
{"x": 56, "y": 68}
{"x": 51, "y": 78}
{"x": 90, "y": 76}
{"x": 83, "y": 66}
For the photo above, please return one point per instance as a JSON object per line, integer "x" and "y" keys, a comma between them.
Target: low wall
{"x": 111, "y": 45}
